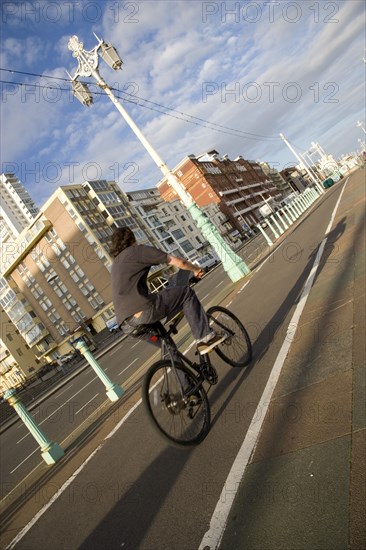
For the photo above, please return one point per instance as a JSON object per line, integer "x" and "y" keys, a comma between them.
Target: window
{"x": 178, "y": 234}
{"x": 186, "y": 245}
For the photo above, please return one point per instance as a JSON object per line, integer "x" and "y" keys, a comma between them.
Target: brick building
{"x": 239, "y": 187}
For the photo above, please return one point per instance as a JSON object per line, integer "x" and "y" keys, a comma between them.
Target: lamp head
{"x": 82, "y": 93}
{"x": 110, "y": 55}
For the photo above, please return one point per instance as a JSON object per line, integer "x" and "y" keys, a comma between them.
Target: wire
{"x": 201, "y": 122}
{"x": 201, "y": 119}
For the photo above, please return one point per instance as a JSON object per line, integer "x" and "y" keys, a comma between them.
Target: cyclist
{"x": 135, "y": 305}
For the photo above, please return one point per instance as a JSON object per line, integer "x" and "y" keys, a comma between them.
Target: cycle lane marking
{"x": 213, "y": 536}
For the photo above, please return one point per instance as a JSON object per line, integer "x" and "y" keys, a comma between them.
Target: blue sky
{"x": 252, "y": 69}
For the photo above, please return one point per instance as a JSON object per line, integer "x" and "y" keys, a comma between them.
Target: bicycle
{"x": 173, "y": 393}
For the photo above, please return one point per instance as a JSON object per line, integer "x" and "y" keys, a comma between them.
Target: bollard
{"x": 296, "y": 208}
{"x": 272, "y": 229}
{"x": 269, "y": 242}
{"x": 287, "y": 216}
{"x": 293, "y": 212}
{"x": 307, "y": 199}
{"x": 280, "y": 218}
{"x": 51, "y": 452}
{"x": 281, "y": 231}
{"x": 303, "y": 202}
{"x": 299, "y": 205}
{"x": 288, "y": 211}
{"x": 114, "y": 391}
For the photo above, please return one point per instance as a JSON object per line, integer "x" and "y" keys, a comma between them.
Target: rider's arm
{"x": 184, "y": 264}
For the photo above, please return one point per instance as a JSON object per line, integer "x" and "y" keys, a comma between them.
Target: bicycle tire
{"x": 236, "y": 350}
{"x": 181, "y": 418}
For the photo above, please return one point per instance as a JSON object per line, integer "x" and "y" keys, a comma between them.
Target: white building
{"x": 17, "y": 210}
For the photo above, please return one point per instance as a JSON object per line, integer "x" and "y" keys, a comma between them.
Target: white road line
{"x": 58, "y": 408}
{"x": 68, "y": 387}
{"x": 116, "y": 350}
{"x": 25, "y": 529}
{"x": 244, "y": 285}
{"x": 87, "y": 403}
{"x": 269, "y": 257}
{"x": 128, "y": 366}
{"x": 22, "y": 462}
{"x": 212, "y": 538}
{"x": 137, "y": 343}
{"x": 67, "y": 483}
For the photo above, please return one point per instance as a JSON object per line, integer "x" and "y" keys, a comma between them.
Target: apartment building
{"x": 59, "y": 265}
{"x": 55, "y": 279}
{"x": 283, "y": 187}
{"x": 239, "y": 187}
{"x": 17, "y": 360}
{"x": 17, "y": 207}
{"x": 17, "y": 210}
{"x": 172, "y": 224}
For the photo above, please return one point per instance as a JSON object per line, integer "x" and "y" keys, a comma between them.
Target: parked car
{"x": 112, "y": 324}
{"x": 69, "y": 356}
{"x": 207, "y": 261}
{"x": 47, "y": 368}
{"x": 328, "y": 183}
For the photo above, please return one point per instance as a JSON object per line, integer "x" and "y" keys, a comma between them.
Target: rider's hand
{"x": 199, "y": 272}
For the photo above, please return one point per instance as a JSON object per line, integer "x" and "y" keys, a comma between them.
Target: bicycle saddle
{"x": 154, "y": 329}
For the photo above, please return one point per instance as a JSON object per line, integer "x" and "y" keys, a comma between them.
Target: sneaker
{"x": 205, "y": 347}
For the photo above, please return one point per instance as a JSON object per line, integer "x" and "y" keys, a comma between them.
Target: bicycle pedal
{"x": 209, "y": 374}
{"x": 194, "y": 399}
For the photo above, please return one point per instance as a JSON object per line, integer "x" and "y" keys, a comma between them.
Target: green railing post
{"x": 51, "y": 452}
{"x": 114, "y": 391}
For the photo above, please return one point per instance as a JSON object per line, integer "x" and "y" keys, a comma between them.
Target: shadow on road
{"x": 126, "y": 521}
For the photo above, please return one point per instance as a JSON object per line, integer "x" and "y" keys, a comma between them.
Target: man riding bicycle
{"x": 135, "y": 305}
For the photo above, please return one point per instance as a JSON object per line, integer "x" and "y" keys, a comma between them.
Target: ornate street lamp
{"x": 88, "y": 66}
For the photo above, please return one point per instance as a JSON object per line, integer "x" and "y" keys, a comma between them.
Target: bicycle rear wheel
{"x": 176, "y": 403}
{"x": 236, "y": 350}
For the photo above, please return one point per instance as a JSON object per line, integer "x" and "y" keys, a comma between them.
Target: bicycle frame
{"x": 204, "y": 369}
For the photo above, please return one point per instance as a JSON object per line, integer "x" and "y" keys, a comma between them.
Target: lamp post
{"x": 244, "y": 224}
{"x": 266, "y": 201}
{"x": 359, "y": 124}
{"x": 301, "y": 161}
{"x": 88, "y": 66}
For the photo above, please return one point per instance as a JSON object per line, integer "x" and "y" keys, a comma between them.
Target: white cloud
{"x": 171, "y": 52}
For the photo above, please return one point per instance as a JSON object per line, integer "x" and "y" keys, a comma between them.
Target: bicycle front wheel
{"x": 176, "y": 403}
{"x": 236, "y": 350}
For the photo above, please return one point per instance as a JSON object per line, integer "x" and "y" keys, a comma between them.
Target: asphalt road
{"x": 138, "y": 491}
{"x": 67, "y": 410}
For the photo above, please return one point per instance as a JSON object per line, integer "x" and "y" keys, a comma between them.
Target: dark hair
{"x": 121, "y": 239}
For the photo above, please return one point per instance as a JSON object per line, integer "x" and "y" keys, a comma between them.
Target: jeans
{"x": 168, "y": 303}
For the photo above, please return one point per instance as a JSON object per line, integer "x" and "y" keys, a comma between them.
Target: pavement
{"x": 304, "y": 485}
